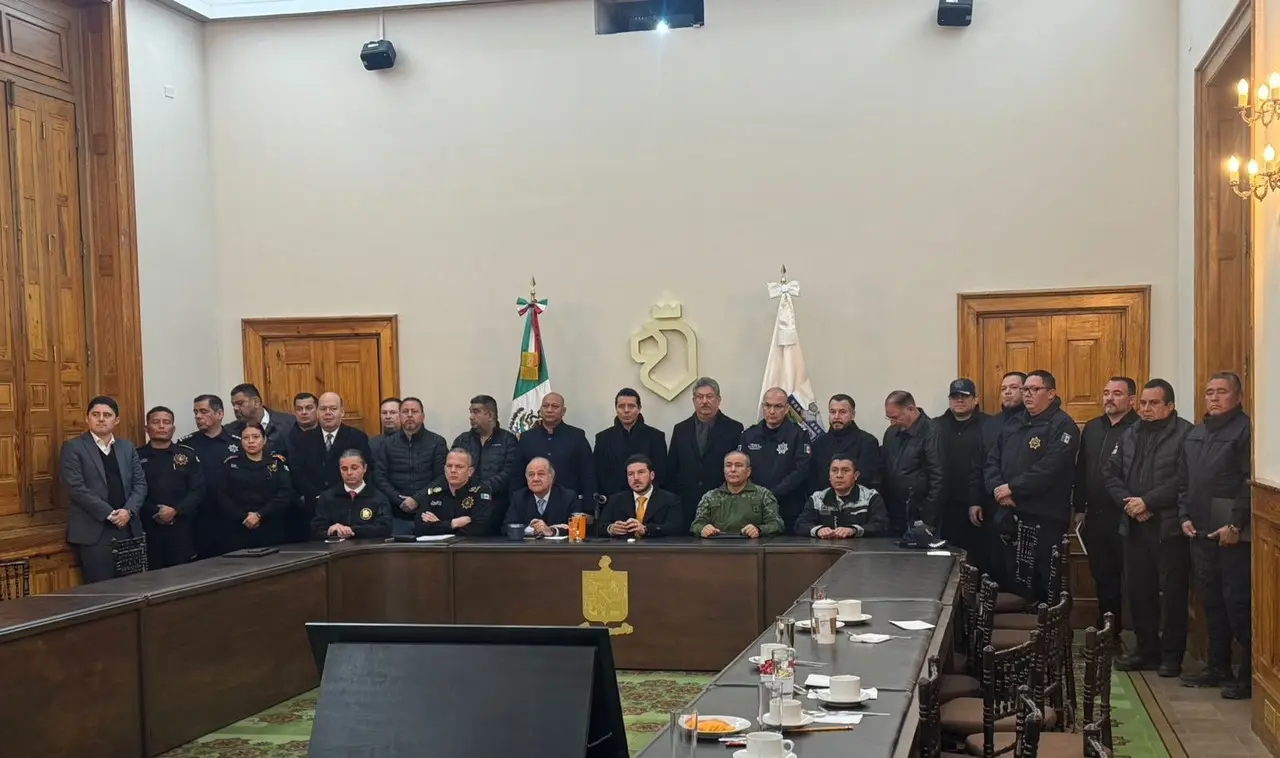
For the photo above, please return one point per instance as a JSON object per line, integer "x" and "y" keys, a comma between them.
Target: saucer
{"x": 804, "y": 625}
{"x": 825, "y": 696}
{"x": 864, "y": 618}
{"x": 743, "y": 754}
{"x": 805, "y": 720}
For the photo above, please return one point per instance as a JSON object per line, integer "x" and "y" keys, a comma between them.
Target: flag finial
{"x": 784, "y": 274}
{"x": 533, "y": 289}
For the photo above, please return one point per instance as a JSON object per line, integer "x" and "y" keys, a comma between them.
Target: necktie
{"x": 640, "y": 503}
{"x": 328, "y": 441}
{"x": 542, "y": 506}
{"x": 353, "y": 494}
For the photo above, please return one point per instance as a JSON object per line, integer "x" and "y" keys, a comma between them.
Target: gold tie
{"x": 640, "y": 501}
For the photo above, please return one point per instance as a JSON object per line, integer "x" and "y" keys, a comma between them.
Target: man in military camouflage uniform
{"x": 737, "y": 506}
{"x": 461, "y": 507}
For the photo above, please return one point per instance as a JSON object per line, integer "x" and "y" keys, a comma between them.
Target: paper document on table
{"x": 820, "y": 681}
{"x": 435, "y": 537}
{"x": 939, "y": 552}
{"x": 871, "y": 638}
{"x": 912, "y": 626}
{"x": 829, "y": 717}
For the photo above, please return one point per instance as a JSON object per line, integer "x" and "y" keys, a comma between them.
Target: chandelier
{"x": 1263, "y": 109}
{"x": 1260, "y": 179}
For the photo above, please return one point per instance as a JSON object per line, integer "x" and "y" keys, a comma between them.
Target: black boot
{"x": 1138, "y": 662}
{"x": 1169, "y": 669}
{"x": 1209, "y": 677}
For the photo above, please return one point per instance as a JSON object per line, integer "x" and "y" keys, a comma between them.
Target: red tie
{"x": 352, "y": 493}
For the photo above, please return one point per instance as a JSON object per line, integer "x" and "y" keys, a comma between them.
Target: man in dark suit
{"x": 543, "y": 506}
{"x": 642, "y": 510}
{"x": 566, "y": 446}
{"x": 698, "y": 447}
{"x": 629, "y": 436}
{"x": 246, "y": 403}
{"x": 107, "y": 487}
{"x": 317, "y": 462}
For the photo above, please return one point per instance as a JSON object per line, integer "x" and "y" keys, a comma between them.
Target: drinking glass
{"x": 784, "y": 670}
{"x": 683, "y": 727}
{"x": 816, "y": 592}
{"x": 769, "y": 690}
{"x": 784, "y": 630}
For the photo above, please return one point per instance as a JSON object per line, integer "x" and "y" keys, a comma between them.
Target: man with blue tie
{"x": 543, "y": 507}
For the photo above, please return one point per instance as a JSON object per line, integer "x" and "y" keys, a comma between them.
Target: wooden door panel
{"x": 351, "y": 370}
{"x": 12, "y": 490}
{"x": 292, "y": 367}
{"x": 1087, "y": 352}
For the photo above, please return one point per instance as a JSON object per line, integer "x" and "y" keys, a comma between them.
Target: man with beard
{"x": 493, "y": 452}
{"x": 843, "y": 437}
{"x": 1092, "y": 502}
{"x": 960, "y": 430}
{"x": 247, "y": 405}
{"x": 912, "y": 465}
{"x": 409, "y": 462}
{"x": 993, "y": 555}
{"x": 1215, "y": 508}
{"x": 389, "y": 415}
{"x": 698, "y": 448}
{"x": 212, "y": 442}
{"x": 1142, "y": 475}
{"x": 1030, "y": 470}
{"x": 628, "y": 436}
{"x": 305, "y": 409}
{"x": 779, "y": 451}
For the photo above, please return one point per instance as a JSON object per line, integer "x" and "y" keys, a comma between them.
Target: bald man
{"x": 779, "y": 451}
{"x": 316, "y": 464}
{"x": 565, "y": 446}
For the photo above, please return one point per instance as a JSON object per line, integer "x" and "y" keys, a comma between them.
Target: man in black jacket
{"x": 1031, "y": 469}
{"x": 1141, "y": 474}
{"x": 494, "y": 451}
{"x": 352, "y": 509}
{"x": 460, "y": 506}
{"x": 1215, "y": 508}
{"x": 912, "y": 452}
{"x": 566, "y": 446}
{"x": 844, "y": 437}
{"x": 963, "y": 451}
{"x": 316, "y": 464}
{"x": 409, "y": 462}
{"x": 698, "y": 447}
{"x": 1094, "y": 505}
{"x": 993, "y": 555}
{"x": 175, "y": 491}
{"x": 642, "y": 510}
{"x": 845, "y": 509}
{"x": 628, "y": 436}
{"x": 779, "y": 450}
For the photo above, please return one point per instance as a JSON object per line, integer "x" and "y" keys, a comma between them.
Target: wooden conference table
{"x": 139, "y": 665}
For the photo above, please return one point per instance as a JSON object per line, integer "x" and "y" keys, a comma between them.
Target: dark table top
{"x": 201, "y": 576}
{"x": 41, "y": 613}
{"x": 799, "y": 544}
{"x": 891, "y": 665}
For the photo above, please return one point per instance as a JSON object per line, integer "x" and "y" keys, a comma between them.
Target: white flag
{"x": 785, "y": 367}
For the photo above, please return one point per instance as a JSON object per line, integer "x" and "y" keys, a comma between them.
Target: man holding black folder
{"x": 1214, "y": 508}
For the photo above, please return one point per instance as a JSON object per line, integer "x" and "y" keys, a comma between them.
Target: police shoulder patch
{"x": 230, "y": 458}
{"x": 435, "y": 490}
{"x": 484, "y": 495}
{"x": 1066, "y": 439}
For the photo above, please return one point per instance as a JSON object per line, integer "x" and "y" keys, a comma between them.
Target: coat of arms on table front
{"x": 604, "y": 598}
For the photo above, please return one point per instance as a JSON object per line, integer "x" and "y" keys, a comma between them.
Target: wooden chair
{"x": 1093, "y": 745}
{"x": 929, "y": 736}
{"x": 1058, "y": 573}
{"x": 15, "y": 579}
{"x": 1003, "y": 671}
{"x": 129, "y": 555}
{"x": 1030, "y": 720}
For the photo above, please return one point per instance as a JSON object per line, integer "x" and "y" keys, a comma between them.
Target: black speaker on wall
{"x": 378, "y": 55}
{"x": 955, "y": 12}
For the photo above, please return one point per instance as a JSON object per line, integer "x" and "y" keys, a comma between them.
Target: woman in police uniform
{"x": 255, "y": 492}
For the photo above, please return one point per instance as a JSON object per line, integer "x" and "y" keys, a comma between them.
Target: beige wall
{"x": 173, "y": 186}
{"x": 888, "y": 163}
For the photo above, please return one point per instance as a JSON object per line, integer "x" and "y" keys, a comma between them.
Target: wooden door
{"x": 1082, "y": 337}
{"x": 357, "y": 358}
{"x": 1224, "y": 272}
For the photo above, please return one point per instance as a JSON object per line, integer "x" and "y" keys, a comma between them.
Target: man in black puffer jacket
{"x": 493, "y": 454}
{"x": 408, "y": 463}
{"x": 1031, "y": 469}
{"x": 1141, "y": 474}
{"x": 912, "y": 453}
{"x": 844, "y": 437}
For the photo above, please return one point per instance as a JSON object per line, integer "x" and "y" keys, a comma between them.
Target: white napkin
{"x": 939, "y": 552}
{"x": 818, "y": 680}
{"x": 870, "y": 638}
{"x": 868, "y": 693}
{"x": 912, "y": 626}
{"x": 845, "y": 718}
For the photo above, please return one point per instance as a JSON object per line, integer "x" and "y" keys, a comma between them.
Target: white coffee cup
{"x": 846, "y": 688}
{"x": 768, "y": 745}
{"x": 767, "y": 648}
{"x": 850, "y": 608}
{"x": 786, "y": 711}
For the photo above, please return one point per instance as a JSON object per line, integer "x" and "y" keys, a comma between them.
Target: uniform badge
{"x": 484, "y": 495}
{"x": 782, "y": 448}
{"x": 753, "y": 446}
{"x": 180, "y": 460}
{"x": 273, "y": 467}
{"x": 1034, "y": 444}
{"x": 1066, "y": 440}
{"x": 366, "y": 514}
{"x": 434, "y": 491}
{"x": 467, "y": 502}
{"x": 233, "y": 448}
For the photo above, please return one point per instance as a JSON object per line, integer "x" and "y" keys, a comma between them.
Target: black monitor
{"x": 422, "y": 691}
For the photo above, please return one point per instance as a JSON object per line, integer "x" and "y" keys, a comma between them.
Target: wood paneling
{"x": 355, "y": 357}
{"x": 789, "y": 574}
{"x": 371, "y": 589}
{"x": 1266, "y": 615}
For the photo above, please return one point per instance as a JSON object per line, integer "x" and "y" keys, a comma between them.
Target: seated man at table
{"x": 353, "y": 508}
{"x": 543, "y": 506}
{"x": 845, "y": 509}
{"x": 461, "y": 507}
{"x": 643, "y": 510}
{"x": 737, "y": 506}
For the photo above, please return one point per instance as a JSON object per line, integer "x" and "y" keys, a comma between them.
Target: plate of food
{"x": 714, "y": 727}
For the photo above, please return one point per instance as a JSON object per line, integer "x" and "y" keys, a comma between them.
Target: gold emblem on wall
{"x": 605, "y": 596}
{"x": 649, "y": 347}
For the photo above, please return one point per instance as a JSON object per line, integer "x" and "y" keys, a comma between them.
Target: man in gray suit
{"x": 107, "y": 487}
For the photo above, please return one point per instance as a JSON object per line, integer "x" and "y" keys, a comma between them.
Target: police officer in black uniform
{"x": 175, "y": 490}
{"x": 1030, "y": 472}
{"x": 256, "y": 492}
{"x": 354, "y": 508}
{"x": 212, "y": 443}
{"x": 779, "y": 451}
{"x": 462, "y": 506}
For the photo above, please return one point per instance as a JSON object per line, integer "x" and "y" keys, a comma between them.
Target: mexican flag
{"x": 533, "y": 382}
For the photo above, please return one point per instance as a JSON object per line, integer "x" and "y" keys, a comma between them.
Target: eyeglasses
{"x": 1033, "y": 390}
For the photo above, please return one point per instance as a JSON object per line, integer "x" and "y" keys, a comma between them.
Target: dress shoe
{"x": 1205, "y": 678}
{"x": 1137, "y": 662}
{"x": 1237, "y": 691}
{"x": 1169, "y": 669}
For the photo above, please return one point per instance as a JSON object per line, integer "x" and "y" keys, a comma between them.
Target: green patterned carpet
{"x": 647, "y": 698}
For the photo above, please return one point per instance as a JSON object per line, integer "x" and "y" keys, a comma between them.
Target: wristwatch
{"x": 1234, "y": 529}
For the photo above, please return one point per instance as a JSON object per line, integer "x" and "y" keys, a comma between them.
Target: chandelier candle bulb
{"x": 1242, "y": 90}
{"x": 1273, "y": 81}
{"x": 1233, "y": 168}
{"x": 1253, "y": 168}
{"x": 1269, "y": 158}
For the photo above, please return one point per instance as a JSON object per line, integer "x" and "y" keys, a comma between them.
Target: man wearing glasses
{"x": 1031, "y": 469}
